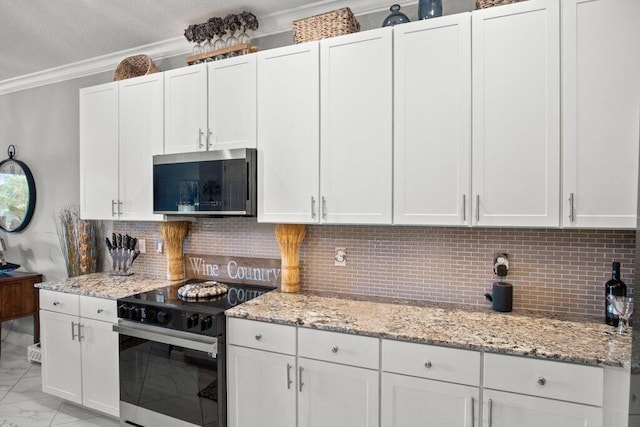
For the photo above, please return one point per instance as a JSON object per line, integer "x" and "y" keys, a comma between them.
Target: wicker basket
{"x": 134, "y": 66}
{"x": 330, "y": 24}
{"x": 483, "y": 4}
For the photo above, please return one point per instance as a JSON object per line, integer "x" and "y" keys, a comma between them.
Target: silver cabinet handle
{"x": 428, "y": 364}
{"x": 324, "y": 207}
{"x": 477, "y": 208}
{"x": 100, "y": 310}
{"x": 258, "y": 337}
{"x": 119, "y": 206}
{"x": 313, "y": 207}
{"x": 334, "y": 349}
{"x": 200, "y": 134}
{"x": 289, "y": 376}
{"x": 572, "y": 213}
{"x": 490, "y": 412}
{"x": 80, "y": 336}
{"x": 473, "y": 412}
{"x": 300, "y": 378}
{"x": 56, "y": 303}
{"x": 73, "y": 332}
{"x": 464, "y": 207}
{"x": 542, "y": 380}
{"x": 113, "y": 207}
{"x": 209, "y": 135}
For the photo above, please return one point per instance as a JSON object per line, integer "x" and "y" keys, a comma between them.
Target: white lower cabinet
{"x": 80, "y": 354}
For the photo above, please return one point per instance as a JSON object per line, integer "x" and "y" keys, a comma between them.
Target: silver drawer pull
{"x": 542, "y": 381}
{"x": 334, "y": 349}
{"x": 100, "y": 310}
{"x": 56, "y": 303}
{"x": 428, "y": 364}
{"x": 258, "y": 337}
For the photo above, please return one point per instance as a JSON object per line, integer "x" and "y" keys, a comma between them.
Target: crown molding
{"x": 275, "y": 23}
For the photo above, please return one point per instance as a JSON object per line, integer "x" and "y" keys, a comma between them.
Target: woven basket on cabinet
{"x": 330, "y": 24}
{"x": 483, "y": 4}
{"x": 134, "y": 66}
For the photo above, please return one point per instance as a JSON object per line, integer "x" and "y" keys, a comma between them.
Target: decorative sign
{"x": 251, "y": 271}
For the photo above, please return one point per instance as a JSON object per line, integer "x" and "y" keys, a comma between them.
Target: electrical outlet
{"x": 501, "y": 264}
{"x": 340, "y": 257}
{"x": 142, "y": 246}
{"x": 159, "y": 246}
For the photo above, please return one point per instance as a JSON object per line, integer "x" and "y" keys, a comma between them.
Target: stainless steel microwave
{"x": 205, "y": 183}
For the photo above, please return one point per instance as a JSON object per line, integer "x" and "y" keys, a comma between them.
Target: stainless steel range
{"x": 172, "y": 356}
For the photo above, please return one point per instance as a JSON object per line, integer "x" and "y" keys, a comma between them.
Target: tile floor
{"x": 23, "y": 404}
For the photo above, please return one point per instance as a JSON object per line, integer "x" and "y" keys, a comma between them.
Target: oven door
{"x": 170, "y": 377}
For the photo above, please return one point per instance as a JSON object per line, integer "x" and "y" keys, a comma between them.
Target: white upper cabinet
{"x": 516, "y": 117}
{"x": 601, "y": 112}
{"x": 185, "y": 115}
{"x": 289, "y": 134}
{"x": 99, "y": 151}
{"x": 141, "y": 137}
{"x": 356, "y": 128}
{"x": 432, "y": 121}
{"x": 232, "y": 103}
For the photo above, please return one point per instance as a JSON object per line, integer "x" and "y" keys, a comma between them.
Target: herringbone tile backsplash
{"x": 551, "y": 270}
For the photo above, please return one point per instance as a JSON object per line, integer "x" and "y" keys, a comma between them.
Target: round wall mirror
{"x": 17, "y": 193}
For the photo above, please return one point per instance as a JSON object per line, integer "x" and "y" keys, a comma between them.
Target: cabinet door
{"x": 61, "y": 372}
{"x": 289, "y": 134}
{"x": 356, "y": 128}
{"x": 261, "y": 388}
{"x": 141, "y": 137}
{"x": 416, "y": 402}
{"x": 516, "y": 99}
{"x": 232, "y": 103}
{"x": 100, "y": 369}
{"x": 432, "y": 121}
{"x": 185, "y": 109}
{"x": 99, "y": 151}
{"x": 508, "y": 410}
{"x": 600, "y": 88}
{"x": 336, "y": 395}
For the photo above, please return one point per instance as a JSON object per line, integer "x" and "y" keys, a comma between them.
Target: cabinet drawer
{"x": 544, "y": 378}
{"x": 262, "y": 335}
{"x": 99, "y": 309}
{"x": 59, "y": 302}
{"x": 429, "y": 361}
{"x": 336, "y": 347}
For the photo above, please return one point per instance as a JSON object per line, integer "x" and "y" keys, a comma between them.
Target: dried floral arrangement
{"x": 216, "y": 26}
{"x": 80, "y": 241}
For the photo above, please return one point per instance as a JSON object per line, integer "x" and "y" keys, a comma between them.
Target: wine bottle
{"x": 615, "y": 286}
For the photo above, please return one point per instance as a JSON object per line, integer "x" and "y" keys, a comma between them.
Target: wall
{"x": 551, "y": 270}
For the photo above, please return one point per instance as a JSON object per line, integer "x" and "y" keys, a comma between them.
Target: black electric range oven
{"x": 173, "y": 357}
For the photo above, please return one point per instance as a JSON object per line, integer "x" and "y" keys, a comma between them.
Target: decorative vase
{"x": 429, "y": 9}
{"x": 197, "y": 49}
{"x": 232, "y": 40}
{"x": 243, "y": 37}
{"x": 219, "y": 42}
{"x": 396, "y": 17}
{"x": 208, "y": 46}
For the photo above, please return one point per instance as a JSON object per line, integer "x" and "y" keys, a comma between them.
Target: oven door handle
{"x": 168, "y": 336}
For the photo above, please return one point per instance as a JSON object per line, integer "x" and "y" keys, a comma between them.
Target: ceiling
{"x": 41, "y": 35}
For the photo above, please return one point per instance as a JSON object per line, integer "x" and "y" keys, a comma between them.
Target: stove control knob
{"x": 192, "y": 321}
{"x": 162, "y": 317}
{"x": 206, "y": 323}
{"x": 123, "y": 311}
{"x": 148, "y": 315}
{"x": 134, "y": 313}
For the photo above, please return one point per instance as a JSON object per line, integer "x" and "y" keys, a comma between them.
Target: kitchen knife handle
{"x": 572, "y": 216}
{"x": 73, "y": 332}
{"x": 477, "y": 208}
{"x": 300, "y": 378}
{"x": 289, "y": 376}
{"x": 490, "y": 412}
{"x": 200, "y": 134}
{"x": 313, "y": 207}
{"x": 464, "y": 208}
{"x": 113, "y": 207}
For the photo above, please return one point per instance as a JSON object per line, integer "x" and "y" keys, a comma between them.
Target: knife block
{"x": 173, "y": 233}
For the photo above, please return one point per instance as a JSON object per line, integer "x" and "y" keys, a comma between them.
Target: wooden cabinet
{"x": 80, "y": 354}
{"x": 120, "y": 131}
{"x": 516, "y": 114}
{"x": 289, "y": 134}
{"x": 600, "y": 92}
{"x": 211, "y": 106}
{"x": 432, "y": 121}
{"x": 530, "y": 392}
{"x": 261, "y": 369}
{"x": 19, "y": 298}
{"x": 356, "y": 128}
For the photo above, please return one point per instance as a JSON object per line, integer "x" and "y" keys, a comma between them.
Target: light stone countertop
{"x": 584, "y": 340}
{"x": 104, "y": 285}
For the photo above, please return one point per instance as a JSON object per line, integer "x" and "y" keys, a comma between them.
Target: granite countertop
{"x": 585, "y": 340}
{"x": 104, "y": 285}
